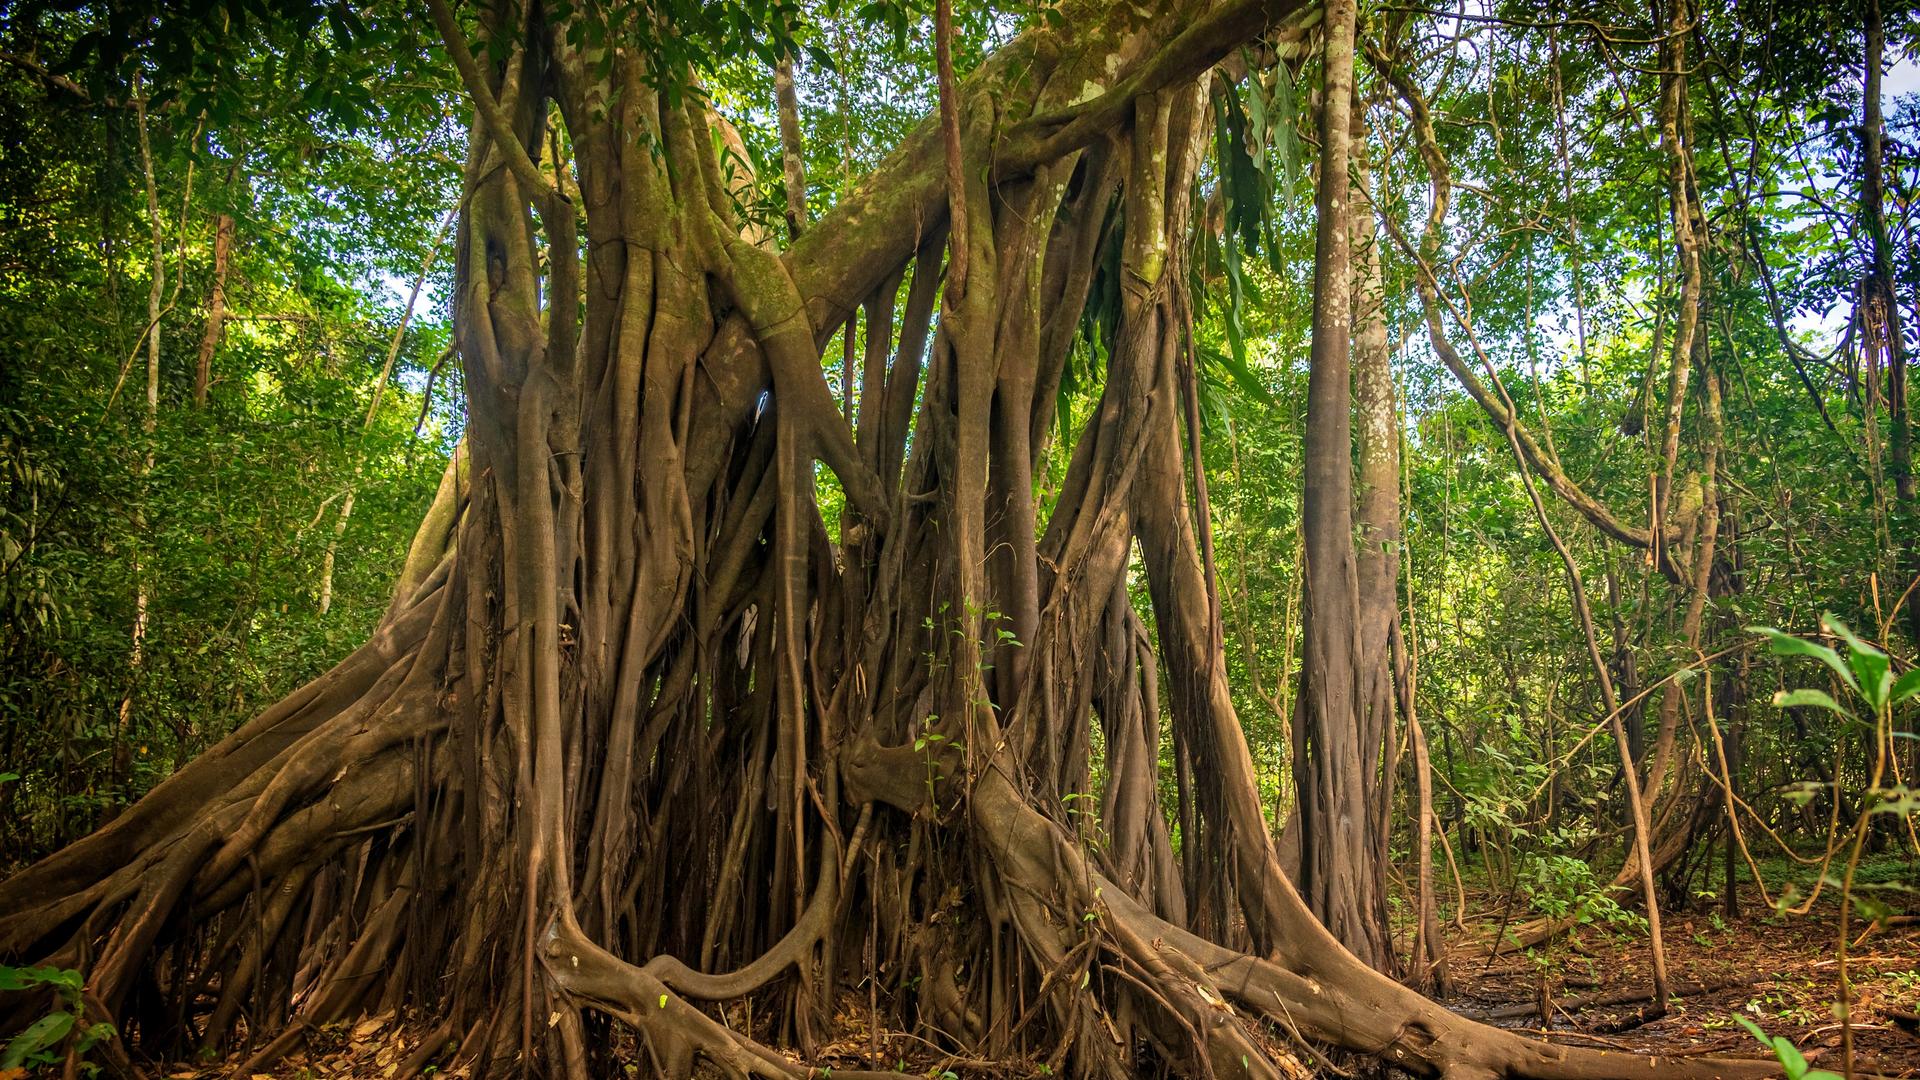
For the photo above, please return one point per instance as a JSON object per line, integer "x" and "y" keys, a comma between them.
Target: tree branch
{"x": 499, "y": 126}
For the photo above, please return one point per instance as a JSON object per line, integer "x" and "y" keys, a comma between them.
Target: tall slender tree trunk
{"x": 1675, "y": 131}
{"x": 331, "y": 555}
{"x": 1883, "y": 308}
{"x": 1507, "y": 415}
{"x": 1640, "y": 863}
{"x": 216, "y": 308}
{"x": 1428, "y": 967}
{"x": 149, "y": 427}
{"x": 1378, "y": 536}
{"x": 793, "y": 161}
{"x": 1339, "y": 863}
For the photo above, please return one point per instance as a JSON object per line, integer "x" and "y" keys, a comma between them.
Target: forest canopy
{"x": 713, "y": 537}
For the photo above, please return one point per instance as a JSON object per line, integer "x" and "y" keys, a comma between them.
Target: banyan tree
{"x": 649, "y": 747}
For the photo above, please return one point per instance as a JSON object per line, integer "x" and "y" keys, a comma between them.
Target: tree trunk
{"x": 1675, "y": 131}
{"x": 1428, "y": 967}
{"x": 216, "y": 308}
{"x": 1339, "y": 867}
{"x": 1883, "y": 304}
{"x": 792, "y": 153}
{"x": 328, "y": 558}
{"x": 149, "y": 425}
{"x": 1377, "y": 529}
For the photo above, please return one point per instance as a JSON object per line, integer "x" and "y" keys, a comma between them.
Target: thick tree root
{"x": 1317, "y": 990}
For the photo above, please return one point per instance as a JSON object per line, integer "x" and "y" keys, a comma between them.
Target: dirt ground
{"x": 1778, "y": 971}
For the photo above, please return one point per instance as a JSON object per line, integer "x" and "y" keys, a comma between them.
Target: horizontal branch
{"x": 1193, "y": 51}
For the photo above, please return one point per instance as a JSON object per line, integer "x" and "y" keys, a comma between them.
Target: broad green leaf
{"x": 1229, "y": 155}
{"x": 1787, "y": 645}
{"x": 1896, "y": 800}
{"x": 1789, "y": 699}
{"x": 1870, "y": 666}
{"x": 1905, "y": 687}
{"x": 94, "y": 1034}
{"x": 1239, "y": 372}
{"x": 14, "y": 978}
{"x": 1802, "y": 793}
{"x": 39, "y": 1035}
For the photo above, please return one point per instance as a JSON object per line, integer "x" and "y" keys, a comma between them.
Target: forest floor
{"x": 1776, "y": 970}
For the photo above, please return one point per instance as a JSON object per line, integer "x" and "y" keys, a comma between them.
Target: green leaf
{"x": 39, "y": 1035}
{"x": 1802, "y": 793}
{"x": 1233, "y": 169}
{"x": 1905, "y": 687}
{"x": 1832, "y": 624}
{"x": 14, "y": 978}
{"x": 1240, "y": 179}
{"x": 1870, "y": 666}
{"x": 1896, "y": 800}
{"x": 1286, "y": 142}
{"x": 1240, "y": 373}
{"x": 1787, "y": 645}
{"x": 94, "y": 1034}
{"x": 1789, "y": 699}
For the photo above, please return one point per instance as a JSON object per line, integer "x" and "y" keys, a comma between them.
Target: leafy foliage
{"x": 218, "y": 518}
{"x": 37, "y": 1044}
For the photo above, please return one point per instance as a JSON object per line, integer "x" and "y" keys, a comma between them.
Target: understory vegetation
{"x": 1268, "y": 538}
